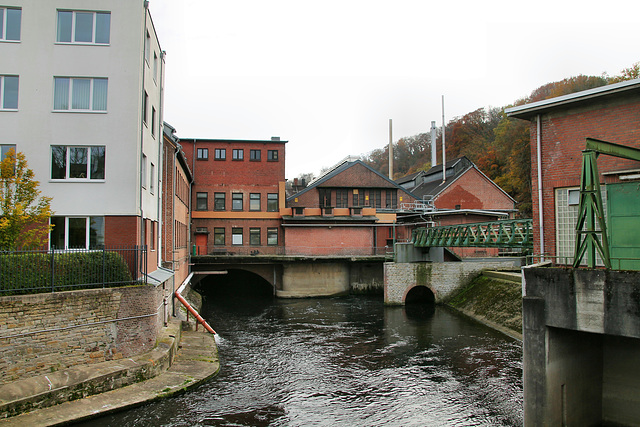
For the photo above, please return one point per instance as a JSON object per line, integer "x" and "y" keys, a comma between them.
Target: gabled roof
{"x": 527, "y": 111}
{"x": 170, "y": 133}
{"x": 433, "y": 184}
{"x": 408, "y": 178}
{"x": 338, "y": 169}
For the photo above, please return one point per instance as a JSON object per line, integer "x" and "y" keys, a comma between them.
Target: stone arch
{"x": 237, "y": 281}
{"x": 419, "y": 294}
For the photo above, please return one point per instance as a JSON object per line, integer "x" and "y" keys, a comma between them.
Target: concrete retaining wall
{"x": 443, "y": 278}
{"x": 44, "y": 333}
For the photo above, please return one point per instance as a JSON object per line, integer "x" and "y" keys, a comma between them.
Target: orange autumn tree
{"x": 24, "y": 213}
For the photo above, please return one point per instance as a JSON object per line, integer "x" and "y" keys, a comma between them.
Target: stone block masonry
{"x": 442, "y": 278}
{"x": 43, "y": 333}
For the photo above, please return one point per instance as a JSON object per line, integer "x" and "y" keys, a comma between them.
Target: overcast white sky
{"x": 328, "y": 75}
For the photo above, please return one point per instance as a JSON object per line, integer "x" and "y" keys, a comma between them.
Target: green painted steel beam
{"x": 515, "y": 233}
{"x": 616, "y": 150}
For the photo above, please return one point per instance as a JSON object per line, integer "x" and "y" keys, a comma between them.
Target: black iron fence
{"x": 37, "y": 271}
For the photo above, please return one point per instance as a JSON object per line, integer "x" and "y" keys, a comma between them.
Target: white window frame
{"x": 73, "y": 27}
{"x": 144, "y": 171}
{"x": 87, "y": 227}
{"x": 3, "y": 19}
{"x": 147, "y": 48}
{"x": 155, "y": 67}
{"x": 68, "y": 164}
{"x": 2, "y": 92}
{"x": 70, "y": 96}
{"x": 152, "y": 171}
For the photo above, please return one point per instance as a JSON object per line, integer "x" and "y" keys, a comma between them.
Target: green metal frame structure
{"x": 591, "y": 209}
{"x": 514, "y": 233}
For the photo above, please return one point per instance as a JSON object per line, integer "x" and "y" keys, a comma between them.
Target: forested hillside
{"x": 498, "y": 145}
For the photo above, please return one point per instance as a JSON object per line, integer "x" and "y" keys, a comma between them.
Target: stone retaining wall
{"x": 443, "y": 278}
{"x": 44, "y": 333}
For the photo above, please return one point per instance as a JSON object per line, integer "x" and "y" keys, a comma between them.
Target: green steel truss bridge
{"x": 513, "y": 233}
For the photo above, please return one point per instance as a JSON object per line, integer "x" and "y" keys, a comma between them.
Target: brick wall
{"x": 329, "y": 240}
{"x": 472, "y": 190}
{"x": 43, "y": 333}
{"x": 563, "y": 139}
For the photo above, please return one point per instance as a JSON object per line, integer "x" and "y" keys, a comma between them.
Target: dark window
{"x": 221, "y": 154}
{"x": 272, "y": 155}
{"x": 358, "y": 197}
{"x": 272, "y": 202}
{"x": 391, "y": 199}
{"x": 254, "y": 201}
{"x": 218, "y": 236}
{"x": 255, "y": 155}
{"x": 272, "y": 236}
{"x": 254, "y": 236}
{"x": 342, "y": 198}
{"x": 376, "y": 195}
{"x": 236, "y": 201}
{"x": 203, "y": 154}
{"x": 325, "y": 197}
{"x": 238, "y": 154}
{"x": 201, "y": 201}
{"x": 219, "y": 201}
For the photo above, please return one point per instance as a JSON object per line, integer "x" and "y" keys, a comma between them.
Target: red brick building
{"x": 465, "y": 196}
{"x": 237, "y": 195}
{"x": 350, "y": 210}
{"x": 559, "y": 128}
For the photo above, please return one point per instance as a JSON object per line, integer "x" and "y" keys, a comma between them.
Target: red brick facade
{"x": 473, "y": 190}
{"x": 237, "y": 195}
{"x": 612, "y": 117}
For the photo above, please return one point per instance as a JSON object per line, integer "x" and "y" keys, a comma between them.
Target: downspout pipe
{"x": 539, "y": 162}
{"x": 188, "y": 306}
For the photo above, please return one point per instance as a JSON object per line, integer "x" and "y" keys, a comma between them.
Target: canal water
{"x": 346, "y": 362}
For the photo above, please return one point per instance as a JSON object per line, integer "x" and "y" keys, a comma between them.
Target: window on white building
{"x": 5, "y": 148}
{"x": 10, "y": 23}
{"x": 83, "y": 27}
{"x": 77, "y": 232}
{"x": 80, "y": 94}
{"x": 155, "y": 67}
{"x": 143, "y": 171}
{"x": 77, "y": 163}
{"x": 152, "y": 180}
{"x": 153, "y": 121}
{"x": 9, "y": 92}
{"x": 147, "y": 47}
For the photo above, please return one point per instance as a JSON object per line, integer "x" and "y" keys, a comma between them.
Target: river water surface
{"x": 346, "y": 362}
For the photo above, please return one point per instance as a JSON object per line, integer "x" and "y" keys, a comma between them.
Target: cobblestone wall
{"x": 443, "y": 278}
{"x": 43, "y": 333}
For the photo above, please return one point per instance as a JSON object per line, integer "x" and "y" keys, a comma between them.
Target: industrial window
{"x": 80, "y": 94}
{"x": 10, "y": 23}
{"x": 391, "y": 199}
{"x": 77, "y": 232}
{"x": 325, "y": 197}
{"x": 77, "y": 163}
{"x": 342, "y": 198}
{"x": 272, "y": 202}
{"x": 567, "y": 208}
{"x": 9, "y": 92}
{"x": 202, "y": 200}
{"x": 83, "y": 27}
{"x": 254, "y": 236}
{"x": 152, "y": 236}
{"x": 219, "y": 202}
{"x": 220, "y": 154}
{"x": 255, "y": 155}
{"x": 358, "y": 197}
{"x": 376, "y": 195}
{"x": 203, "y": 154}
{"x": 238, "y": 154}
{"x": 236, "y": 201}
{"x": 254, "y": 201}
{"x": 272, "y": 236}
{"x": 218, "y": 236}
{"x": 272, "y": 155}
{"x": 236, "y": 236}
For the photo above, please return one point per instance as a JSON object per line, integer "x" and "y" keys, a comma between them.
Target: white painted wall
{"x": 37, "y": 58}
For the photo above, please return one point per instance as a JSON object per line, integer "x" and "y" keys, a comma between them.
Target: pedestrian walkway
{"x": 195, "y": 361}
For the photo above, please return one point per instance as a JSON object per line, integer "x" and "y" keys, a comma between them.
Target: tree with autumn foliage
{"x": 24, "y": 213}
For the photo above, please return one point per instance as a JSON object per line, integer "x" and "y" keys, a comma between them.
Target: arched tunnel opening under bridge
{"x": 420, "y": 302}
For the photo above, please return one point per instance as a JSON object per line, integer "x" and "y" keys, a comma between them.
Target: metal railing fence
{"x": 37, "y": 271}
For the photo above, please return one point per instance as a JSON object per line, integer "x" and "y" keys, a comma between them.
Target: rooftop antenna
{"x": 444, "y": 155}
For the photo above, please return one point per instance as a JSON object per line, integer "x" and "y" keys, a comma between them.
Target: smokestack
{"x": 434, "y": 159}
{"x": 444, "y": 155}
{"x": 390, "y": 151}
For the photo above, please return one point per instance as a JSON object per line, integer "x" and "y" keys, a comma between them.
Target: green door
{"x": 623, "y": 211}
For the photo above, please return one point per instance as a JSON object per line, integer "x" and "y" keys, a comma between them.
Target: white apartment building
{"x": 81, "y": 96}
